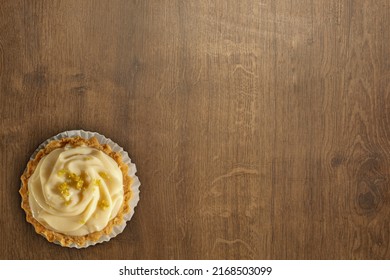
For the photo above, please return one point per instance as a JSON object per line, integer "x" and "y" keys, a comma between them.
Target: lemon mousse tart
{"x": 75, "y": 190}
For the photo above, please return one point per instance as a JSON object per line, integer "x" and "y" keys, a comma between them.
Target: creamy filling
{"x": 76, "y": 190}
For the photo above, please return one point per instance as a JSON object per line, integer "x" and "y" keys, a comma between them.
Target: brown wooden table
{"x": 260, "y": 129}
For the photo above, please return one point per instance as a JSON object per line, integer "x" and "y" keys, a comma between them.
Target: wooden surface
{"x": 260, "y": 129}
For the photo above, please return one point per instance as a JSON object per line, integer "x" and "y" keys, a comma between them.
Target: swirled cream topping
{"x": 76, "y": 190}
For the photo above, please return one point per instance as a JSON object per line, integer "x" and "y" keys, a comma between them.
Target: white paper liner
{"x": 125, "y": 158}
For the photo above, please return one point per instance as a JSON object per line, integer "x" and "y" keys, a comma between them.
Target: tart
{"x": 75, "y": 191}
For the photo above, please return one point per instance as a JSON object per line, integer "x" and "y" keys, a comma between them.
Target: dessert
{"x": 76, "y": 190}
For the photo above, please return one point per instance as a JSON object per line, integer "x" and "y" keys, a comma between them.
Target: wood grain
{"x": 260, "y": 129}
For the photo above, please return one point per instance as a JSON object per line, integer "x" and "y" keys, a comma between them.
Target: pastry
{"x": 76, "y": 190}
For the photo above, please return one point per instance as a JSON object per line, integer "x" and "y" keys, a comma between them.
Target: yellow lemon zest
{"x": 103, "y": 204}
{"x": 62, "y": 172}
{"x": 97, "y": 182}
{"x": 79, "y": 184}
{"x": 64, "y": 189}
{"x": 104, "y": 175}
